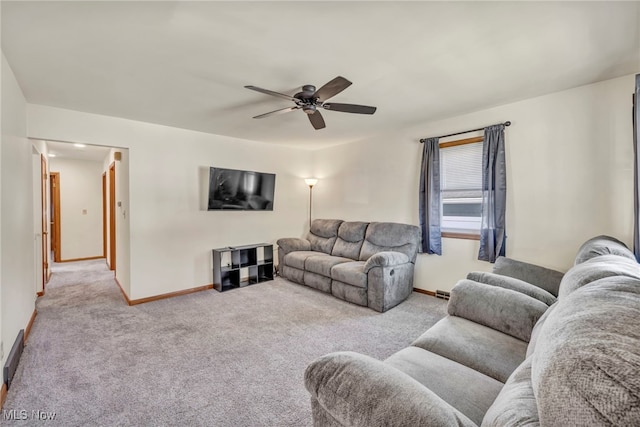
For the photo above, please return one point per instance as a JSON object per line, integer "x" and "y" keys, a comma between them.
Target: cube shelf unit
{"x": 238, "y": 266}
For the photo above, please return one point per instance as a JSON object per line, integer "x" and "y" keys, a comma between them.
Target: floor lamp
{"x": 310, "y": 182}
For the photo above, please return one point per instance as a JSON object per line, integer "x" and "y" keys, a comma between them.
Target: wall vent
{"x": 14, "y": 358}
{"x": 442, "y": 294}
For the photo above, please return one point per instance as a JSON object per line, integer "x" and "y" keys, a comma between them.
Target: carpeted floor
{"x": 212, "y": 359}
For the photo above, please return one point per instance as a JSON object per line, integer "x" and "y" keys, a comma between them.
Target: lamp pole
{"x": 310, "y": 182}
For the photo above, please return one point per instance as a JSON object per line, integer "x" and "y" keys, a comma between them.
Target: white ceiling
{"x": 184, "y": 64}
{"x": 94, "y": 153}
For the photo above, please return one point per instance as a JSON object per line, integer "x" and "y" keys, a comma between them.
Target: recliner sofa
{"x": 530, "y": 346}
{"x": 369, "y": 264}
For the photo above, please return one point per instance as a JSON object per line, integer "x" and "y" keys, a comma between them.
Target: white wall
{"x": 80, "y": 207}
{"x": 170, "y": 236}
{"x": 17, "y": 285}
{"x": 569, "y": 178}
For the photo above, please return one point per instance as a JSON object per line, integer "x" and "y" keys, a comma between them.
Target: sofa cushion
{"x": 351, "y": 273}
{"x": 516, "y": 403}
{"x": 298, "y": 258}
{"x": 513, "y": 284}
{"x": 358, "y": 390}
{"x": 602, "y": 245}
{"x": 586, "y": 366}
{"x": 542, "y": 277}
{"x": 597, "y": 268}
{"x": 469, "y": 391}
{"x": 323, "y": 234}
{"x": 390, "y": 236}
{"x": 322, "y": 264}
{"x": 479, "y": 347}
{"x": 501, "y": 309}
{"x": 350, "y": 239}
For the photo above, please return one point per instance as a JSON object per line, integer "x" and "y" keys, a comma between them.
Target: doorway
{"x": 112, "y": 216}
{"x": 54, "y": 182}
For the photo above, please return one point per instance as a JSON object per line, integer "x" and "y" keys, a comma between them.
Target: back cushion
{"x": 597, "y": 268}
{"x": 602, "y": 245}
{"x": 390, "y": 236}
{"x": 323, "y": 234}
{"x": 587, "y": 359}
{"x": 350, "y": 239}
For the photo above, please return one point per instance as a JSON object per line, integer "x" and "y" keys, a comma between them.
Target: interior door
{"x": 112, "y": 216}
{"x": 54, "y": 182}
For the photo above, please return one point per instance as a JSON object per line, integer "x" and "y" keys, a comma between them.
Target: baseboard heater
{"x": 14, "y": 358}
{"x": 442, "y": 294}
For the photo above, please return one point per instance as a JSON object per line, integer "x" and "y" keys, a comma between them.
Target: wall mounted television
{"x": 231, "y": 189}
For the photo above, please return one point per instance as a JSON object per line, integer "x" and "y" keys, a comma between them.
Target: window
{"x": 461, "y": 187}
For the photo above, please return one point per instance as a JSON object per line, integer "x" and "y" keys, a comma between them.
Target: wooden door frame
{"x": 104, "y": 215}
{"x": 45, "y": 226}
{"x": 54, "y": 179}
{"x": 112, "y": 216}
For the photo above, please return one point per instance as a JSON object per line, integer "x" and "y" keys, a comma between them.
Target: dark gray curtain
{"x": 494, "y": 195}
{"x": 430, "y": 197}
{"x": 636, "y": 165}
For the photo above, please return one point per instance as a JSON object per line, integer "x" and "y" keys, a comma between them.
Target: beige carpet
{"x": 206, "y": 359}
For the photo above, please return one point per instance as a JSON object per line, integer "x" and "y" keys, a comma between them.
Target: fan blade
{"x": 276, "y": 112}
{"x": 332, "y": 88}
{"x": 272, "y": 93}
{"x": 350, "y": 108}
{"x": 316, "y": 120}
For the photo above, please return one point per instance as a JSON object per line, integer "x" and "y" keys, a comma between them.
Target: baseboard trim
{"x": 170, "y": 295}
{"x": 27, "y": 330}
{"x": 3, "y": 395}
{"x": 423, "y": 291}
{"x": 81, "y": 259}
{"x": 124, "y": 294}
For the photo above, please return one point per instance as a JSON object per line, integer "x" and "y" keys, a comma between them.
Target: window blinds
{"x": 461, "y": 171}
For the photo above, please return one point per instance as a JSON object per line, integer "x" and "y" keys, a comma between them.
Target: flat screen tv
{"x": 231, "y": 189}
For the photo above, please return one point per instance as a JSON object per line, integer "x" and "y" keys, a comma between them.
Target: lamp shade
{"x": 311, "y": 181}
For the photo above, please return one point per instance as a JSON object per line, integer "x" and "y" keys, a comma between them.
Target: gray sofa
{"x": 529, "y": 346}
{"x": 369, "y": 264}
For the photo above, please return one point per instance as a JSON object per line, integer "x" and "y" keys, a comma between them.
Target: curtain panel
{"x": 636, "y": 165}
{"x": 494, "y": 195}
{"x": 429, "y": 209}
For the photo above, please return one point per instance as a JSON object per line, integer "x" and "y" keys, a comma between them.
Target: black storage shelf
{"x": 236, "y": 267}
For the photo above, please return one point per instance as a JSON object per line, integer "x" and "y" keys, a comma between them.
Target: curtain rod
{"x": 507, "y": 123}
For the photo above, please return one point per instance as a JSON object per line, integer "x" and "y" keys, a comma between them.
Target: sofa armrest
{"x": 385, "y": 259}
{"x": 291, "y": 244}
{"x": 542, "y": 277}
{"x": 512, "y": 283}
{"x": 357, "y": 390}
{"x": 501, "y": 309}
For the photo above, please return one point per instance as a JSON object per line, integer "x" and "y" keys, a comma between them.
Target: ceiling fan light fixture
{"x": 310, "y": 99}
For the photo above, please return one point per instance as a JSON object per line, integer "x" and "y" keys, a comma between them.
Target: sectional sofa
{"x": 529, "y": 346}
{"x": 369, "y": 264}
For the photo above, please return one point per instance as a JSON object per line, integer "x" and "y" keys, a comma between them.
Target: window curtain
{"x": 430, "y": 197}
{"x": 636, "y": 165}
{"x": 494, "y": 195}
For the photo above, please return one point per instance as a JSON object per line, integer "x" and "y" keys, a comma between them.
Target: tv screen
{"x": 231, "y": 189}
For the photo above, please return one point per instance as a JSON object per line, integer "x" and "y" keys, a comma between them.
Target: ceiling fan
{"x": 311, "y": 100}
